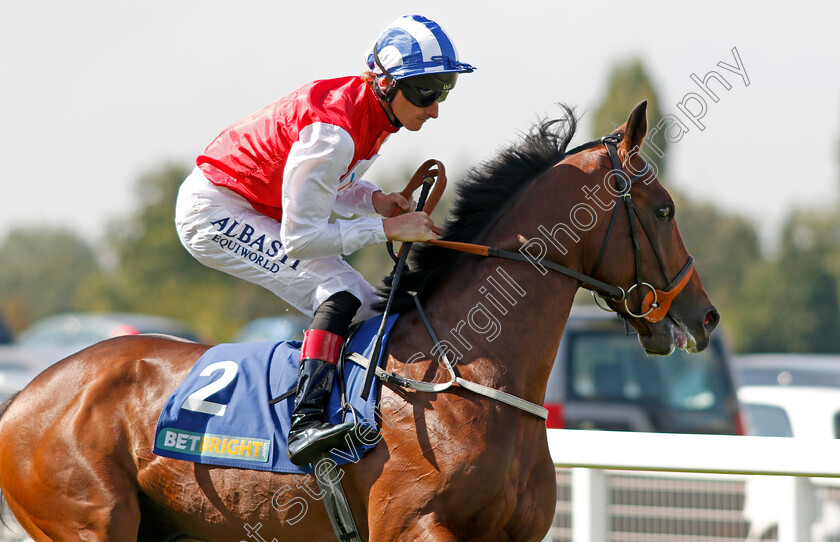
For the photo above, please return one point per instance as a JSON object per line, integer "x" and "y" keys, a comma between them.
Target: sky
{"x": 96, "y": 93}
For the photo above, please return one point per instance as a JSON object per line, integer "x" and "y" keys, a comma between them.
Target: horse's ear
{"x": 636, "y": 129}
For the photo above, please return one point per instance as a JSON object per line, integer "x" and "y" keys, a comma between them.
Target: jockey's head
{"x": 416, "y": 58}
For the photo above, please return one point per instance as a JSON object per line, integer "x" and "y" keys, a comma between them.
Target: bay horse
{"x": 75, "y": 444}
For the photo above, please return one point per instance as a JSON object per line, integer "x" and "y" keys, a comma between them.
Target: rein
{"x": 603, "y": 288}
{"x": 656, "y": 303}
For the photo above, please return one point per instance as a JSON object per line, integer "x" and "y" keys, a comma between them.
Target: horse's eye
{"x": 666, "y": 212}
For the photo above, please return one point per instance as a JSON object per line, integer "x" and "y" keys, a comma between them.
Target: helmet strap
{"x": 387, "y": 95}
{"x": 385, "y": 103}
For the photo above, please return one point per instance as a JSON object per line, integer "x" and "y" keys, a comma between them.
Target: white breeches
{"x": 221, "y": 230}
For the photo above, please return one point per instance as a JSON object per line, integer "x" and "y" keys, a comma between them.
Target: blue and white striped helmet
{"x": 414, "y": 45}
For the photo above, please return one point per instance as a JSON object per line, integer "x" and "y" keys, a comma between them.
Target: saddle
{"x": 234, "y": 407}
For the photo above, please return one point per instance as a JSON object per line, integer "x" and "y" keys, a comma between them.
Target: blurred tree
{"x": 725, "y": 247}
{"x": 790, "y": 304}
{"x": 629, "y": 84}
{"x": 787, "y": 308}
{"x": 39, "y": 273}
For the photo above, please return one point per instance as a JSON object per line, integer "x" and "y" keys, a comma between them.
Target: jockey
{"x": 258, "y": 204}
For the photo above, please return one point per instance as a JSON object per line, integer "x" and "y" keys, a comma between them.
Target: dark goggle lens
{"x": 422, "y": 97}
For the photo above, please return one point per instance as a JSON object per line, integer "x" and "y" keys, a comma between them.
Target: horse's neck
{"x": 506, "y": 319}
{"x": 505, "y": 316}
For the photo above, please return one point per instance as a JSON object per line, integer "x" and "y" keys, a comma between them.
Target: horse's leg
{"x": 65, "y": 472}
{"x": 86, "y": 504}
{"x": 426, "y": 528}
{"x": 85, "y": 501}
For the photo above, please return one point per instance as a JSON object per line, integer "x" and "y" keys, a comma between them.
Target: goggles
{"x": 420, "y": 96}
{"x": 424, "y": 89}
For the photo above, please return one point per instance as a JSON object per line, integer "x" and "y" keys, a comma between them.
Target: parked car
{"x": 786, "y": 395}
{"x": 58, "y": 336}
{"x": 790, "y": 395}
{"x": 820, "y": 370}
{"x": 781, "y": 411}
{"x": 13, "y": 378}
{"x": 6, "y": 335}
{"x": 602, "y": 379}
{"x": 79, "y": 330}
{"x": 287, "y": 327}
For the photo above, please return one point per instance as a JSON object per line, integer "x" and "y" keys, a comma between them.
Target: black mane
{"x": 487, "y": 190}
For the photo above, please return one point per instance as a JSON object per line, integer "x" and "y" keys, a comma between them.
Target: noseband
{"x": 656, "y": 303}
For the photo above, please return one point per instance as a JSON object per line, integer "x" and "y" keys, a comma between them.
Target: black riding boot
{"x": 310, "y": 436}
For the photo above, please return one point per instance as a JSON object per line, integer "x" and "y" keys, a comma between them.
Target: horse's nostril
{"x": 712, "y": 320}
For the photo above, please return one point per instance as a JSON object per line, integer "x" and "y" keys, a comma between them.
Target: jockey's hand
{"x": 416, "y": 226}
{"x": 392, "y": 203}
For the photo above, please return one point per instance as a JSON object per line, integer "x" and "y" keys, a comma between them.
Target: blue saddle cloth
{"x": 220, "y": 414}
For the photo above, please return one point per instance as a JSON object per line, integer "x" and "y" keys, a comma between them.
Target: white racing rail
{"x": 791, "y": 461}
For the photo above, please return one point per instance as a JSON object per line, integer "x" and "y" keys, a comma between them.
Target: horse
{"x": 75, "y": 444}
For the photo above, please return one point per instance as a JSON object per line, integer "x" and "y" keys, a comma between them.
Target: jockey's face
{"x": 412, "y": 116}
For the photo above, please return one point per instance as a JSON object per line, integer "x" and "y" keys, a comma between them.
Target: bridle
{"x": 656, "y": 303}
{"x": 654, "y": 306}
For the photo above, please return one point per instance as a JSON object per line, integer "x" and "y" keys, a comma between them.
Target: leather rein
{"x": 656, "y": 303}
